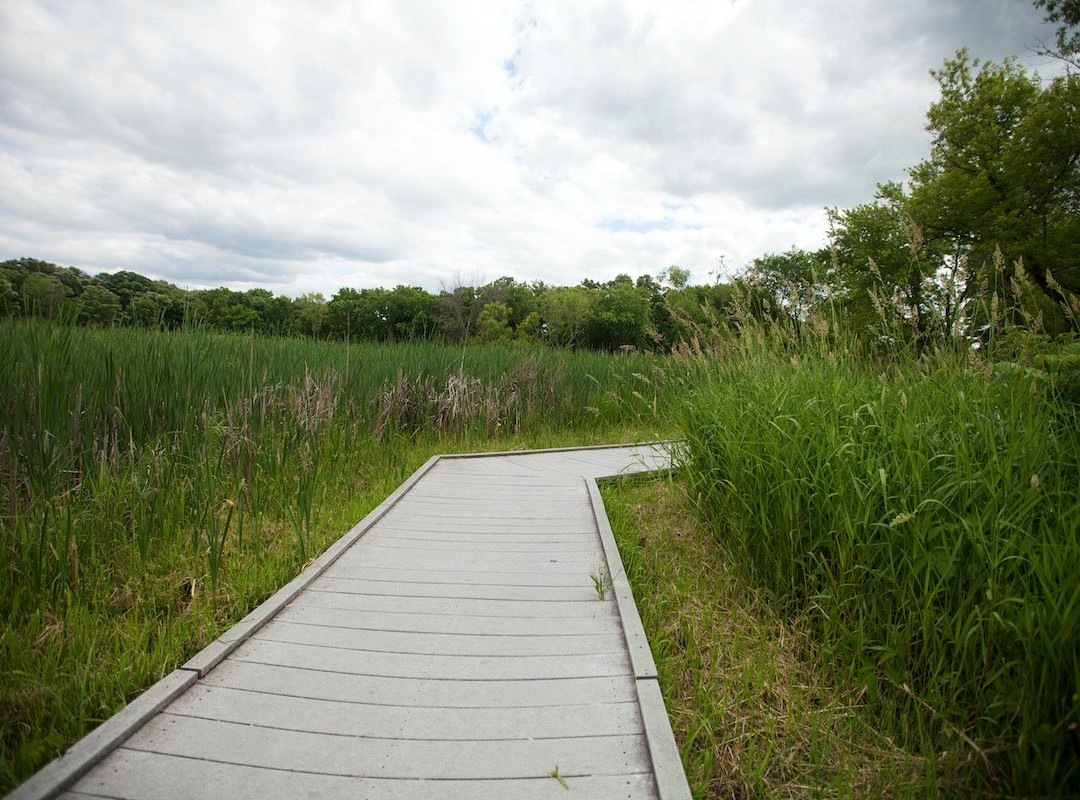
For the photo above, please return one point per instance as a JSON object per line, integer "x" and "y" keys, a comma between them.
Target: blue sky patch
{"x": 619, "y": 225}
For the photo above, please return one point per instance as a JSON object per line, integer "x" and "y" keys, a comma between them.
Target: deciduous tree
{"x": 98, "y": 306}
{"x": 1066, "y": 14}
{"x": 42, "y": 294}
{"x": 1003, "y": 173}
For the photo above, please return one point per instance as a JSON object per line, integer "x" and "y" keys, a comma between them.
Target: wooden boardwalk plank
{"x": 408, "y": 722}
{"x": 433, "y": 534}
{"x": 300, "y": 751}
{"x": 330, "y": 658}
{"x": 494, "y": 547}
{"x": 577, "y": 592}
{"x": 450, "y": 646}
{"x": 380, "y": 690}
{"x": 285, "y": 630}
{"x": 133, "y": 774}
{"x": 317, "y": 608}
{"x": 466, "y": 607}
{"x": 406, "y": 574}
{"x": 579, "y": 566}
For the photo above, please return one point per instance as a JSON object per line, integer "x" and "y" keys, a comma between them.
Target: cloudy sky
{"x": 308, "y": 146}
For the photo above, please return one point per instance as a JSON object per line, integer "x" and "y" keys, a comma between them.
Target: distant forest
{"x": 619, "y": 313}
{"x": 985, "y": 229}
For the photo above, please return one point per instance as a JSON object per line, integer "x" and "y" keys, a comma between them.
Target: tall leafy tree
{"x": 408, "y": 312}
{"x": 794, "y": 281}
{"x": 125, "y": 285}
{"x": 310, "y": 315}
{"x": 566, "y": 311}
{"x": 42, "y": 294}
{"x": 459, "y": 308}
{"x": 884, "y": 262}
{"x": 494, "y": 323}
{"x": 278, "y": 314}
{"x": 349, "y": 315}
{"x": 519, "y": 298}
{"x": 620, "y": 315}
{"x": 1003, "y": 172}
{"x": 98, "y": 306}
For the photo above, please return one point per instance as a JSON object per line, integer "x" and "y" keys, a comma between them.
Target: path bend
{"x": 451, "y": 645}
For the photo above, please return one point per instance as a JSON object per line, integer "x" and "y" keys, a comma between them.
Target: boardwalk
{"x": 452, "y": 645}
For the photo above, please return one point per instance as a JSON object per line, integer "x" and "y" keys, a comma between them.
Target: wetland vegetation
{"x": 862, "y": 579}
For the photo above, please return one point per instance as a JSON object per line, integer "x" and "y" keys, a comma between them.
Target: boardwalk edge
{"x": 62, "y": 772}
{"x": 57, "y": 775}
{"x": 641, "y": 658}
{"x": 671, "y": 783}
{"x": 213, "y": 654}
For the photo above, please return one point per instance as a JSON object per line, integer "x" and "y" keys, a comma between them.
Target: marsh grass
{"x": 154, "y": 487}
{"x": 753, "y": 712}
{"x": 917, "y": 510}
{"x": 879, "y": 596}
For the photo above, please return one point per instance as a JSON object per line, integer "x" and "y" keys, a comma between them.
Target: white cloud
{"x": 308, "y": 147}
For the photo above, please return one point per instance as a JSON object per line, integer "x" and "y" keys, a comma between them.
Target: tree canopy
{"x": 1066, "y": 15}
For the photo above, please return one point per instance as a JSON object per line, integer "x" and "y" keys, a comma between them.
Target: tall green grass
{"x": 921, "y": 513}
{"x": 156, "y": 486}
{"x": 753, "y": 716}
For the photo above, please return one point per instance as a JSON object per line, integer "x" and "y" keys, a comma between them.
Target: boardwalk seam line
{"x": 450, "y": 633}
{"x": 378, "y": 778}
{"x": 212, "y": 655}
{"x": 433, "y": 679}
{"x": 366, "y": 703}
{"x": 654, "y": 443}
{"x": 369, "y": 737}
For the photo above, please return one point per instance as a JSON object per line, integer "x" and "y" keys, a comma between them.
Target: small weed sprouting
{"x": 601, "y": 584}
{"x": 562, "y": 781}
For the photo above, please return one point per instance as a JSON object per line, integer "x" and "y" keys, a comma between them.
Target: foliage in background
{"x": 997, "y": 199}
{"x": 1066, "y": 15}
{"x": 1004, "y": 175}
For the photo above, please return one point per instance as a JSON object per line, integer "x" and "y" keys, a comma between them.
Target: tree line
{"x": 986, "y": 226}
{"x": 619, "y": 313}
